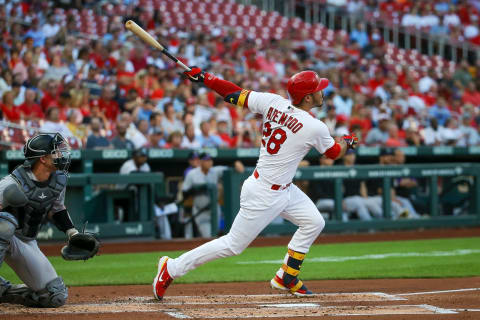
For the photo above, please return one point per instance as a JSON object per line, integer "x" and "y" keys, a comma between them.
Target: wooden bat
{"x": 145, "y": 36}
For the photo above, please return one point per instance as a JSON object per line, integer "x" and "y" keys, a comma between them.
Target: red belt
{"x": 274, "y": 186}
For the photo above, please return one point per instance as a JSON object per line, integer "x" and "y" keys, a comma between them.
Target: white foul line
{"x": 289, "y": 305}
{"x": 177, "y": 315}
{"x": 466, "y": 310}
{"x": 388, "y": 296}
{"x": 437, "y": 309}
{"x": 435, "y": 292}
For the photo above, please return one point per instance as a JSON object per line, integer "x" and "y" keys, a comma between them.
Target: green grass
{"x": 140, "y": 268}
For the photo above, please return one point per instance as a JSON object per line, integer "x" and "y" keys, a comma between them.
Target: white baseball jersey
{"x": 288, "y": 135}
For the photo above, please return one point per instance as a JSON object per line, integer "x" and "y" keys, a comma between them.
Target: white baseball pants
{"x": 259, "y": 205}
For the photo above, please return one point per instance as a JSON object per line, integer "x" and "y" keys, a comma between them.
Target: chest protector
{"x": 41, "y": 197}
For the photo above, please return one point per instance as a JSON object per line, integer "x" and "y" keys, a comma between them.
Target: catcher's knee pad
{"x": 4, "y": 286}
{"x": 54, "y": 295}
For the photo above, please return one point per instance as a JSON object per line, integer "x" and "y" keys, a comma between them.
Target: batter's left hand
{"x": 351, "y": 140}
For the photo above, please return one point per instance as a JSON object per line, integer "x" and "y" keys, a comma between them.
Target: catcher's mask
{"x": 44, "y": 144}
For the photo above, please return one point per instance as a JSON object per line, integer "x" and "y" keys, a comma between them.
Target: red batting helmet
{"x": 303, "y": 83}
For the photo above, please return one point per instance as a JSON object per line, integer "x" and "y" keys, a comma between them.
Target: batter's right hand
{"x": 195, "y": 75}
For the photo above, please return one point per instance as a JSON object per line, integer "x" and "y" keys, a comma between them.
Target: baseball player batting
{"x": 289, "y": 132}
{"x": 31, "y": 194}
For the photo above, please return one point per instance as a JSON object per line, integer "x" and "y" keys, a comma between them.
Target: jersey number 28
{"x": 273, "y": 140}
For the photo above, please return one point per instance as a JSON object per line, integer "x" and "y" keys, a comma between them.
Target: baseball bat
{"x": 145, "y": 36}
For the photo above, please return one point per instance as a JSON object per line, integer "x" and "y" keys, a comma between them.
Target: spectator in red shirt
{"x": 222, "y": 131}
{"x": 251, "y": 60}
{"x": 390, "y": 6}
{"x": 267, "y": 63}
{"x": 31, "y": 110}
{"x": 471, "y": 95}
{"x": 379, "y": 80}
{"x": 10, "y": 112}
{"x": 50, "y": 95}
{"x": 155, "y": 21}
{"x": 125, "y": 78}
{"x": 107, "y": 105}
{"x": 104, "y": 60}
{"x": 430, "y": 97}
{"x": 464, "y": 12}
{"x": 361, "y": 119}
{"x": 138, "y": 59}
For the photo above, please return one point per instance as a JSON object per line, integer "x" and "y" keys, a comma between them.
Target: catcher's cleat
{"x": 162, "y": 280}
{"x": 295, "y": 287}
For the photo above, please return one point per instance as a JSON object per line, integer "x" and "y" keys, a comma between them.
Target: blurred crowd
{"x": 109, "y": 90}
{"x": 457, "y": 20}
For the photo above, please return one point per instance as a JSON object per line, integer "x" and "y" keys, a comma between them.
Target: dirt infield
{"x": 391, "y": 299}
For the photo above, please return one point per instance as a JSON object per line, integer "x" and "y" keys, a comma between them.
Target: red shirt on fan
{"x": 229, "y": 141}
{"x": 126, "y": 81}
{"x": 374, "y": 83}
{"x": 109, "y": 62}
{"x": 139, "y": 63}
{"x": 34, "y": 110}
{"x": 429, "y": 98}
{"x": 364, "y": 123}
{"x": 48, "y": 100}
{"x": 472, "y": 97}
{"x": 11, "y": 113}
{"x": 109, "y": 107}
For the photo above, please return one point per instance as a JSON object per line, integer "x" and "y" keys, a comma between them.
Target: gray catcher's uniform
{"x": 18, "y": 229}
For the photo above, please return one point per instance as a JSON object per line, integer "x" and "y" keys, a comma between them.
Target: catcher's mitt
{"x": 81, "y": 246}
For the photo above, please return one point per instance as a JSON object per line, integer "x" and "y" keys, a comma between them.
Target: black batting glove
{"x": 195, "y": 75}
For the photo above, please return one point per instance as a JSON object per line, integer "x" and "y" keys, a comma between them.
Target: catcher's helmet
{"x": 303, "y": 83}
{"x": 44, "y": 144}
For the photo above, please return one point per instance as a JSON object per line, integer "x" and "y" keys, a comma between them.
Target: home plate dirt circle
{"x": 399, "y": 299}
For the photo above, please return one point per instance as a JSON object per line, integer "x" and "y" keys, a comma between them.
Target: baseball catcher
{"x": 32, "y": 194}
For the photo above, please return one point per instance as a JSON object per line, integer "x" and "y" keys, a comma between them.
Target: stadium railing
{"x": 108, "y": 160}
{"x": 233, "y": 182}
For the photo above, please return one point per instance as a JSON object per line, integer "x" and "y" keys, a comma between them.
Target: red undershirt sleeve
{"x": 230, "y": 92}
{"x": 334, "y": 151}
{"x": 222, "y": 87}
